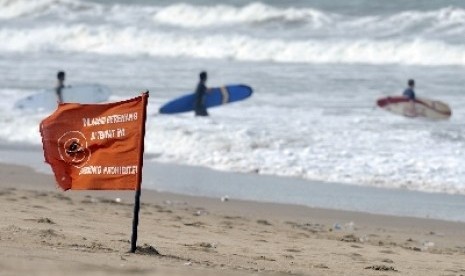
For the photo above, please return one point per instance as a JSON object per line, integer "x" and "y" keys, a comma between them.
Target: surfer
{"x": 60, "y": 85}
{"x": 409, "y": 93}
{"x": 199, "y": 105}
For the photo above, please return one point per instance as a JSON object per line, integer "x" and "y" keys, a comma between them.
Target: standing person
{"x": 199, "y": 104}
{"x": 409, "y": 93}
{"x": 60, "y": 85}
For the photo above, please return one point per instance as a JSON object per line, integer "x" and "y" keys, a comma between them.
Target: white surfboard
{"x": 422, "y": 107}
{"x": 81, "y": 93}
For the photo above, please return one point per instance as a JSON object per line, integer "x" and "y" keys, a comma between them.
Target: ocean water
{"x": 316, "y": 67}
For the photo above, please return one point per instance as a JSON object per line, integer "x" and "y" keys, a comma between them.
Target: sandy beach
{"x": 45, "y": 231}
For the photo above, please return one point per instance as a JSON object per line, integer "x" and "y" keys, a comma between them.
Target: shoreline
{"x": 91, "y": 229}
{"x": 47, "y": 183}
{"x": 206, "y": 182}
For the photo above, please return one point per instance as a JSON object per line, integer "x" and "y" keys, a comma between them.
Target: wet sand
{"x": 44, "y": 231}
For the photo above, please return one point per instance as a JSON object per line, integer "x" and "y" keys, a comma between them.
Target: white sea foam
{"x": 200, "y": 16}
{"x": 405, "y": 22}
{"x": 195, "y": 16}
{"x": 328, "y": 149}
{"x": 10, "y": 9}
{"x": 317, "y": 144}
{"x": 216, "y": 31}
{"x": 443, "y": 23}
{"x": 134, "y": 41}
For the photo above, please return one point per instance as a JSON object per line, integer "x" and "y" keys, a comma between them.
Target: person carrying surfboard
{"x": 60, "y": 85}
{"x": 199, "y": 105}
{"x": 409, "y": 93}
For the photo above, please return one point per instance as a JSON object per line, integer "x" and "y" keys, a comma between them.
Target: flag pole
{"x": 135, "y": 221}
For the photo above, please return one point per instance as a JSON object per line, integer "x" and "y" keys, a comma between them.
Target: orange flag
{"x": 96, "y": 146}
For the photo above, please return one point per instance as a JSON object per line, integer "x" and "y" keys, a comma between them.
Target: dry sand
{"x": 44, "y": 231}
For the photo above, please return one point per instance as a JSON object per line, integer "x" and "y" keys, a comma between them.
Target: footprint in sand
{"x": 387, "y": 251}
{"x": 264, "y": 258}
{"x": 46, "y": 220}
{"x": 389, "y": 261}
{"x": 323, "y": 266}
{"x": 299, "y": 236}
{"x": 234, "y": 217}
{"x": 202, "y": 246}
{"x": 62, "y": 197}
{"x": 381, "y": 268}
{"x": 357, "y": 257}
{"x": 263, "y": 222}
{"x": 227, "y": 224}
{"x": 40, "y": 194}
{"x": 49, "y": 233}
{"x": 195, "y": 224}
{"x": 350, "y": 238}
{"x": 5, "y": 192}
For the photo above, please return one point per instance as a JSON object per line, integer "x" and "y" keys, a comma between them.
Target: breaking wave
{"x": 134, "y": 41}
{"x": 303, "y": 35}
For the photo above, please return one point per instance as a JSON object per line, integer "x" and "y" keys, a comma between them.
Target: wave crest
{"x": 10, "y": 9}
{"x": 185, "y": 15}
{"x": 134, "y": 41}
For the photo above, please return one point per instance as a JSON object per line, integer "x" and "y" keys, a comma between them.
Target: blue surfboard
{"x": 214, "y": 97}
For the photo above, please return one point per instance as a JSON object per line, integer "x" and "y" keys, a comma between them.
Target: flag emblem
{"x": 73, "y": 150}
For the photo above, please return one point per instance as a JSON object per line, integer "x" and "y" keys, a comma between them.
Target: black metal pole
{"x": 135, "y": 220}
